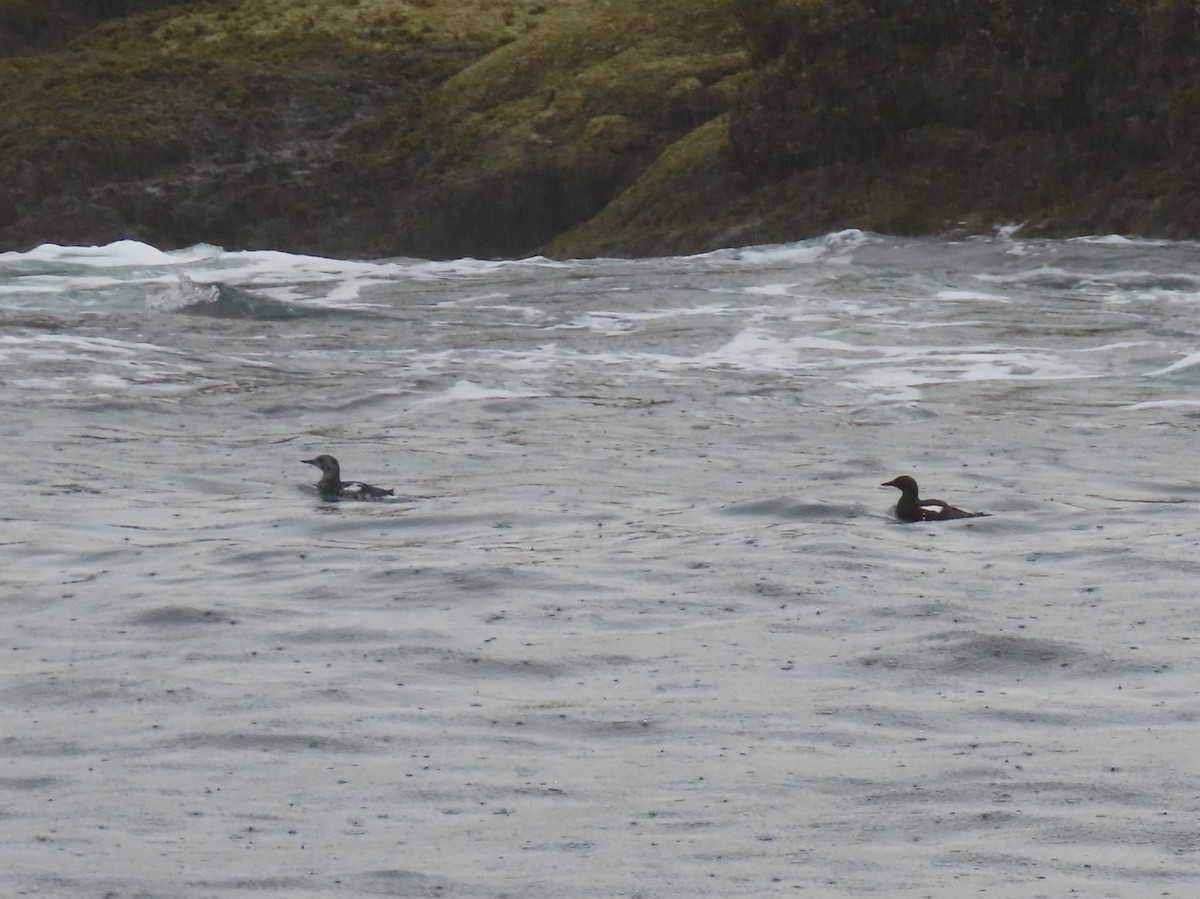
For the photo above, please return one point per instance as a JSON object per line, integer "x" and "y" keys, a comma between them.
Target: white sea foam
{"x": 1118, "y": 240}
{"x": 470, "y": 391}
{"x": 1191, "y": 360}
{"x": 971, "y": 296}
{"x": 119, "y": 254}
{"x": 831, "y": 249}
{"x": 1161, "y": 404}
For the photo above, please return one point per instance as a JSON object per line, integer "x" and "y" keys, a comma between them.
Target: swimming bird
{"x": 332, "y": 486}
{"x": 912, "y": 508}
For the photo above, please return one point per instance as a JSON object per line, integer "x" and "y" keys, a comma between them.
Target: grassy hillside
{"x": 500, "y": 128}
{"x": 359, "y": 127}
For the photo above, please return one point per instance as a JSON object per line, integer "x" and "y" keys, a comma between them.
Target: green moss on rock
{"x": 681, "y": 203}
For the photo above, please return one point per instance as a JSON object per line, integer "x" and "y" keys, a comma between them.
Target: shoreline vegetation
{"x": 490, "y": 128}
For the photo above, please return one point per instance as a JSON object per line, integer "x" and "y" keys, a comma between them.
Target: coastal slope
{"x": 369, "y": 128}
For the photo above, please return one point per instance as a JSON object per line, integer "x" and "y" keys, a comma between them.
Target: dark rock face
{"x": 32, "y": 25}
{"x": 1014, "y": 110}
{"x": 496, "y": 128}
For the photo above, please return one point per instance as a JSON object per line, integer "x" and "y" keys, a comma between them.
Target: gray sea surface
{"x": 639, "y": 621}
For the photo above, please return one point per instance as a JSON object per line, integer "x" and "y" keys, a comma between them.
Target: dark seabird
{"x": 912, "y": 508}
{"x": 332, "y": 486}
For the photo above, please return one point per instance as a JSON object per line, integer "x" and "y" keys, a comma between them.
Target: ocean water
{"x": 639, "y": 621}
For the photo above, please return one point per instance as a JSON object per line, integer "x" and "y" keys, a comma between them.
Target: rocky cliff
{"x": 578, "y": 127}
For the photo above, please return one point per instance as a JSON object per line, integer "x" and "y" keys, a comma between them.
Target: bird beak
{"x": 311, "y": 462}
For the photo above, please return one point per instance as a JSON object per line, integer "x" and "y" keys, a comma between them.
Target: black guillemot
{"x": 332, "y": 486}
{"x": 912, "y": 508}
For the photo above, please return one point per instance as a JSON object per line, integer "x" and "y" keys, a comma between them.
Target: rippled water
{"x": 639, "y": 622}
